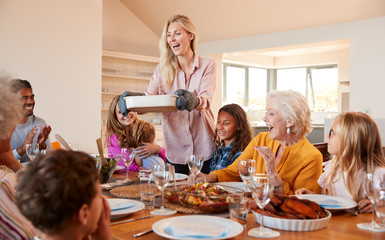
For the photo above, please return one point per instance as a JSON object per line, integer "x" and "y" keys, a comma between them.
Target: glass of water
{"x": 239, "y": 208}
{"x": 32, "y": 150}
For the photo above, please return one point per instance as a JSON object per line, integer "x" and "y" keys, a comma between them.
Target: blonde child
{"x": 355, "y": 143}
{"x": 144, "y": 133}
{"x": 232, "y": 135}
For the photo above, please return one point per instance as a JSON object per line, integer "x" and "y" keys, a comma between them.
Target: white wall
{"x": 124, "y": 32}
{"x": 57, "y": 45}
{"x": 367, "y": 55}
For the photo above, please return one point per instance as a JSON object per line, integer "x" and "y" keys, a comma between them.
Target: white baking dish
{"x": 294, "y": 224}
{"x": 154, "y": 103}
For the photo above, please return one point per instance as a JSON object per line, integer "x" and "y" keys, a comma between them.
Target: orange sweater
{"x": 299, "y": 167}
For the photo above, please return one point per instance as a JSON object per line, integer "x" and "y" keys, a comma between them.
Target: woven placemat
{"x": 182, "y": 209}
{"x": 131, "y": 191}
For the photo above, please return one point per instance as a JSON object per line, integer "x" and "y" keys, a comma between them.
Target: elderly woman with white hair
{"x": 10, "y": 115}
{"x": 13, "y": 225}
{"x": 283, "y": 152}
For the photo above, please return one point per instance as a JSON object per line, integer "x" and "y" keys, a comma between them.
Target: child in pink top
{"x": 120, "y": 135}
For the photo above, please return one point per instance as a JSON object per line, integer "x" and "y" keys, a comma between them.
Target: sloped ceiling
{"x": 226, "y": 19}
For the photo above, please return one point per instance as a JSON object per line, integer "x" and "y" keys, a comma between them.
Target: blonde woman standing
{"x": 182, "y": 72}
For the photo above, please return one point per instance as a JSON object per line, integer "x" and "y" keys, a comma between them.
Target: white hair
{"x": 10, "y": 107}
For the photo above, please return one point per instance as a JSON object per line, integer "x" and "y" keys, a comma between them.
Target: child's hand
{"x": 303, "y": 191}
{"x": 103, "y": 230}
{"x": 146, "y": 150}
{"x": 365, "y": 206}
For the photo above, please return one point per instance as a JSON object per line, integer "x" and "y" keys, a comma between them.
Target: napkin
{"x": 329, "y": 203}
{"x": 121, "y": 206}
{"x": 181, "y": 232}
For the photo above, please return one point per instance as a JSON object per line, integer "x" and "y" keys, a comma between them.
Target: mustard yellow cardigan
{"x": 300, "y": 165}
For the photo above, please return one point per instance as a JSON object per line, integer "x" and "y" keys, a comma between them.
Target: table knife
{"x": 129, "y": 220}
{"x": 142, "y": 233}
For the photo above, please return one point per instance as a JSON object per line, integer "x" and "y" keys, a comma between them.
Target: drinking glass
{"x": 262, "y": 188}
{"x": 380, "y": 202}
{"x": 32, "y": 150}
{"x": 195, "y": 164}
{"x": 370, "y": 187}
{"x": 238, "y": 207}
{"x": 127, "y": 156}
{"x": 161, "y": 175}
{"x": 246, "y": 169}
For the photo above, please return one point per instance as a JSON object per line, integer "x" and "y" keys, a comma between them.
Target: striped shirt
{"x": 13, "y": 225}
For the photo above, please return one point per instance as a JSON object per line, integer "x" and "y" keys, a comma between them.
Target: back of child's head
{"x": 243, "y": 134}
{"x": 143, "y": 132}
{"x": 359, "y": 139}
{"x": 55, "y": 186}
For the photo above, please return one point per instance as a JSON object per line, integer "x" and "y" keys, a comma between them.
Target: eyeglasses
{"x": 331, "y": 133}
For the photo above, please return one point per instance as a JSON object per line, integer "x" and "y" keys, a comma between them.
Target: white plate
{"x": 195, "y": 222}
{"x": 178, "y": 176}
{"x": 121, "y": 213}
{"x": 232, "y": 185}
{"x": 294, "y": 224}
{"x": 155, "y": 103}
{"x": 118, "y": 168}
{"x": 330, "y": 202}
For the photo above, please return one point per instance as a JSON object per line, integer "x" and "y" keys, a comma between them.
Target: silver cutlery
{"x": 130, "y": 220}
{"x": 142, "y": 233}
{"x": 173, "y": 175}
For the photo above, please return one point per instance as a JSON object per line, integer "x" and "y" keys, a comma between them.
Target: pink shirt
{"x": 113, "y": 147}
{"x": 185, "y": 132}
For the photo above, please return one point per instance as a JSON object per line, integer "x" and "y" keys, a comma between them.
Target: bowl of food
{"x": 292, "y": 214}
{"x": 206, "y": 197}
{"x": 107, "y": 169}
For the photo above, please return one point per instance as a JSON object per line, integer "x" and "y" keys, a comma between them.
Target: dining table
{"x": 342, "y": 224}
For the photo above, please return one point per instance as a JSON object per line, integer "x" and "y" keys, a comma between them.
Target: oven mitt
{"x": 186, "y": 100}
{"x": 122, "y": 103}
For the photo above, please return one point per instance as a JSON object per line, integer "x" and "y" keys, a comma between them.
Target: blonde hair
{"x": 143, "y": 132}
{"x": 114, "y": 127}
{"x": 11, "y": 109}
{"x": 168, "y": 60}
{"x": 359, "y": 148}
{"x": 293, "y": 107}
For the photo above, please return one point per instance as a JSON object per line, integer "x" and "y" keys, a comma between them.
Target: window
{"x": 248, "y": 86}
{"x": 318, "y": 84}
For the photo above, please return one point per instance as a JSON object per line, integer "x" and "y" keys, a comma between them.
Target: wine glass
{"x": 380, "y": 202}
{"x": 128, "y": 157}
{"x": 161, "y": 175}
{"x": 370, "y": 187}
{"x": 195, "y": 164}
{"x": 246, "y": 169}
{"x": 32, "y": 150}
{"x": 262, "y": 188}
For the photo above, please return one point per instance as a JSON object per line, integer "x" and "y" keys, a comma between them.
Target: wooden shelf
{"x": 126, "y": 77}
{"x": 345, "y": 83}
{"x": 110, "y": 93}
{"x": 108, "y": 53}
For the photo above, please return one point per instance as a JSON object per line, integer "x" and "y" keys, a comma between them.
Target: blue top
{"x": 21, "y": 132}
{"x": 222, "y": 159}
